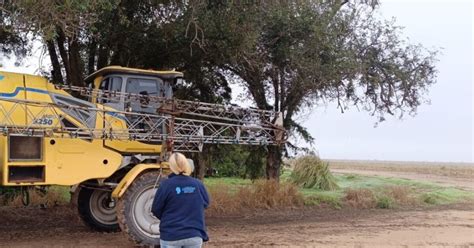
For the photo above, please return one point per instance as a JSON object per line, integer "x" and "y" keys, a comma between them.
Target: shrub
{"x": 239, "y": 161}
{"x": 384, "y": 201}
{"x": 262, "y": 194}
{"x": 310, "y": 172}
{"x": 325, "y": 198}
{"x": 401, "y": 195}
{"x": 360, "y": 198}
{"x": 269, "y": 194}
{"x": 222, "y": 199}
{"x": 430, "y": 199}
{"x": 437, "y": 197}
{"x": 351, "y": 177}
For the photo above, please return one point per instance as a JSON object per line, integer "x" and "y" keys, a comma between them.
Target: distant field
{"x": 459, "y": 170}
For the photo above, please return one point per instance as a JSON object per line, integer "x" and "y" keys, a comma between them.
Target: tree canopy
{"x": 288, "y": 55}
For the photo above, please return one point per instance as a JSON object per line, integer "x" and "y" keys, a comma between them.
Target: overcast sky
{"x": 442, "y": 131}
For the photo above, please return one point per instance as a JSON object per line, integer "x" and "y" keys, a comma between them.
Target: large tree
{"x": 289, "y": 55}
{"x": 10, "y": 41}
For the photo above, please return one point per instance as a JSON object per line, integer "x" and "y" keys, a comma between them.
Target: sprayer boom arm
{"x": 183, "y": 125}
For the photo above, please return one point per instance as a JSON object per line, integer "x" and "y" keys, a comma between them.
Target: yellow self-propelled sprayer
{"x": 113, "y": 147}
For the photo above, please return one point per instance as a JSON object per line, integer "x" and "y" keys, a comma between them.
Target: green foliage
{"x": 391, "y": 192}
{"x": 255, "y": 163}
{"x": 330, "y": 198}
{"x": 430, "y": 199}
{"x": 233, "y": 182}
{"x": 239, "y": 161}
{"x": 384, "y": 201}
{"x": 44, "y": 17}
{"x": 350, "y": 177}
{"x": 293, "y": 53}
{"x": 12, "y": 43}
{"x": 310, "y": 172}
{"x": 441, "y": 196}
{"x": 229, "y": 161}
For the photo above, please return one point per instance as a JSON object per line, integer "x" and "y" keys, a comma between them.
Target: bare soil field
{"x": 452, "y": 170}
{"x": 460, "y": 175}
{"x": 435, "y": 226}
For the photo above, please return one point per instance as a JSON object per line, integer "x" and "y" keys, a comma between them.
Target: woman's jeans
{"x": 195, "y": 242}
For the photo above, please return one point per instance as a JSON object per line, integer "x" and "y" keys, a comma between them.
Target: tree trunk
{"x": 61, "y": 40}
{"x": 56, "y": 72}
{"x": 118, "y": 55}
{"x": 201, "y": 170}
{"x": 203, "y": 162}
{"x": 91, "y": 60}
{"x": 75, "y": 63}
{"x": 274, "y": 159}
{"x": 103, "y": 58}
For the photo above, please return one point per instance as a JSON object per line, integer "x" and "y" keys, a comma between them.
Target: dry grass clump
{"x": 262, "y": 194}
{"x": 388, "y": 197}
{"x": 53, "y": 197}
{"x": 400, "y": 194}
{"x": 222, "y": 199}
{"x": 311, "y": 172}
{"x": 360, "y": 198}
{"x": 269, "y": 194}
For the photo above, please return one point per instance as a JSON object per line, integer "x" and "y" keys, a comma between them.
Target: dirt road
{"x": 361, "y": 228}
{"x": 310, "y": 227}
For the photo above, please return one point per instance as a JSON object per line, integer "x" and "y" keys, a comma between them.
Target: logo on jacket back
{"x": 185, "y": 190}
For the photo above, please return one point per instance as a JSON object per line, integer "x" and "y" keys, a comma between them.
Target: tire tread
{"x": 124, "y": 207}
{"x": 85, "y": 215}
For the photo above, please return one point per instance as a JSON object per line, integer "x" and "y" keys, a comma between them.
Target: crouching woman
{"x": 179, "y": 204}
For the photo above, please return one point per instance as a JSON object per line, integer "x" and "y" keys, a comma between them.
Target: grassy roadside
{"x": 355, "y": 191}
{"x": 382, "y": 192}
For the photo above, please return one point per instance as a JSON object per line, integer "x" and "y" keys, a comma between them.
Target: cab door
{"x": 113, "y": 84}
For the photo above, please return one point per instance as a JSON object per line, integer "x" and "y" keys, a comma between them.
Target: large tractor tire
{"x": 97, "y": 209}
{"x": 134, "y": 210}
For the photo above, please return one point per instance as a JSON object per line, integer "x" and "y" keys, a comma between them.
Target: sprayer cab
{"x": 119, "y": 81}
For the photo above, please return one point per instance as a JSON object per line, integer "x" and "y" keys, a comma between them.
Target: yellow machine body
{"x": 133, "y": 173}
{"x": 27, "y": 161}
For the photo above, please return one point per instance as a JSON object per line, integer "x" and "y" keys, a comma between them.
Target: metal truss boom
{"x": 172, "y": 124}
{"x": 177, "y": 107}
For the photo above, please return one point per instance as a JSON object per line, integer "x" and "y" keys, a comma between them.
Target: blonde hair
{"x": 179, "y": 164}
